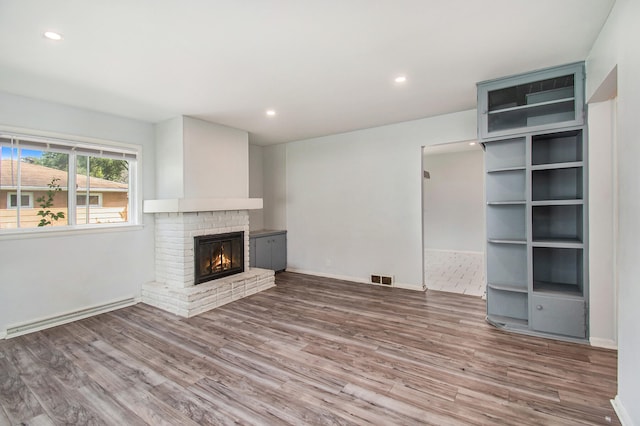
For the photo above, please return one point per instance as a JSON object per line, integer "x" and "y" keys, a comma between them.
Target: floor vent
{"x": 381, "y": 279}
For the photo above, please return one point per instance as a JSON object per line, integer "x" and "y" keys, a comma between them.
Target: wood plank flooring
{"x": 309, "y": 351}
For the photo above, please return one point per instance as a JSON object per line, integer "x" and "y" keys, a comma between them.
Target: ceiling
{"x": 325, "y": 66}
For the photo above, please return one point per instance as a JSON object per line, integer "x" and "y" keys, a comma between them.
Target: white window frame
{"x": 75, "y": 146}
{"x": 22, "y": 194}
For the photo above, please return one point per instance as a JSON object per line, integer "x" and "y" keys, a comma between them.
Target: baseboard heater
{"x": 32, "y": 326}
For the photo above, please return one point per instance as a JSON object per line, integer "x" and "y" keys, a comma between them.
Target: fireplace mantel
{"x": 192, "y": 205}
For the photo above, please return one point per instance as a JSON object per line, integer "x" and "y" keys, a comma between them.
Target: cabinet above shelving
{"x": 545, "y": 99}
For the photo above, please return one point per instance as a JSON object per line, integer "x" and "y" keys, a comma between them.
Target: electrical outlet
{"x": 375, "y": 279}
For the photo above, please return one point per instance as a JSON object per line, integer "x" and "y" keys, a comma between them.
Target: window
{"x": 65, "y": 183}
{"x": 26, "y": 200}
{"x": 95, "y": 200}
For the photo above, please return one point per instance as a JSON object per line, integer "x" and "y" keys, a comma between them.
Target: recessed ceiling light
{"x": 400, "y": 79}
{"x": 271, "y": 112}
{"x": 52, "y": 35}
{"x": 472, "y": 143}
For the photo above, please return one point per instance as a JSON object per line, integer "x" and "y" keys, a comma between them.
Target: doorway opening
{"x": 453, "y": 218}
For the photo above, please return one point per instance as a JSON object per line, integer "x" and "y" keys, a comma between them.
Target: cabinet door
{"x": 279, "y": 252}
{"x": 558, "y": 315}
{"x": 546, "y": 99}
{"x": 263, "y": 252}
{"x": 252, "y": 252}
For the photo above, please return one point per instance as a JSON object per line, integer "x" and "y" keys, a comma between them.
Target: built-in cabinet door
{"x": 263, "y": 252}
{"x": 252, "y": 252}
{"x": 269, "y": 251}
{"x": 279, "y": 252}
{"x": 558, "y": 315}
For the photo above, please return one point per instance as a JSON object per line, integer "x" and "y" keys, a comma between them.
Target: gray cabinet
{"x": 535, "y": 186}
{"x": 541, "y": 100}
{"x": 268, "y": 250}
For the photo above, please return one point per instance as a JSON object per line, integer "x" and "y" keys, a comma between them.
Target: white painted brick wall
{"x": 174, "y": 241}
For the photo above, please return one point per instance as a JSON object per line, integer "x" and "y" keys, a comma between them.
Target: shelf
{"x": 551, "y": 166}
{"x": 507, "y": 287}
{"x": 502, "y": 320}
{"x": 558, "y": 243}
{"x": 557, "y": 288}
{"x": 557, "y": 202}
{"x": 531, "y": 106}
{"x": 505, "y": 241}
{"x": 532, "y": 115}
{"x": 506, "y": 203}
{"x": 506, "y": 169}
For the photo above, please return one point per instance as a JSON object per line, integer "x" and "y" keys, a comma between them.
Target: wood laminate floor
{"x": 309, "y": 351}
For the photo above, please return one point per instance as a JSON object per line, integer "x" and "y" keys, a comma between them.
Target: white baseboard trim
{"x": 603, "y": 343}
{"x": 43, "y": 323}
{"x": 415, "y": 287}
{"x": 622, "y": 413}
{"x": 354, "y": 279}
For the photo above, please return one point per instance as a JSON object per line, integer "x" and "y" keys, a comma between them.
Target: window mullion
{"x": 86, "y": 196}
{"x": 18, "y": 187}
{"x": 71, "y": 189}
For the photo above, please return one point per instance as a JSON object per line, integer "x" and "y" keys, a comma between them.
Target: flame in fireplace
{"x": 221, "y": 263}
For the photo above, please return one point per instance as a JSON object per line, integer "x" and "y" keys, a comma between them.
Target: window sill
{"x": 26, "y": 233}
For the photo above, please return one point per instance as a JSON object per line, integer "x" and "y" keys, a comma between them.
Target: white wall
{"x": 617, "y": 44}
{"x": 602, "y": 228}
{"x": 216, "y": 160}
{"x": 453, "y": 201}
{"x": 41, "y": 277}
{"x": 354, "y": 200}
{"x": 256, "y": 186}
{"x": 275, "y": 186}
{"x": 169, "y": 159}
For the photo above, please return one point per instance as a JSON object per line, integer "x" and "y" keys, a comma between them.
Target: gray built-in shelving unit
{"x": 533, "y": 130}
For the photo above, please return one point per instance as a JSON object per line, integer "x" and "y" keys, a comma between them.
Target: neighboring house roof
{"x": 35, "y": 176}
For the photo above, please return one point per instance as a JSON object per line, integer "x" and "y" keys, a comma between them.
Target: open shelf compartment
{"x": 506, "y": 222}
{"x": 507, "y": 185}
{"x": 558, "y": 223}
{"x": 507, "y": 264}
{"x": 563, "y": 147}
{"x": 557, "y": 184}
{"x": 558, "y": 270}
{"x": 505, "y": 154}
{"x": 507, "y": 306}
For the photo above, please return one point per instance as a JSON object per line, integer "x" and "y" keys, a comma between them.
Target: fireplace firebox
{"x": 218, "y": 256}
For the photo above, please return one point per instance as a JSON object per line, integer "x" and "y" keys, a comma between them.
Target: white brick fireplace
{"x": 174, "y": 288}
{"x": 202, "y": 188}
